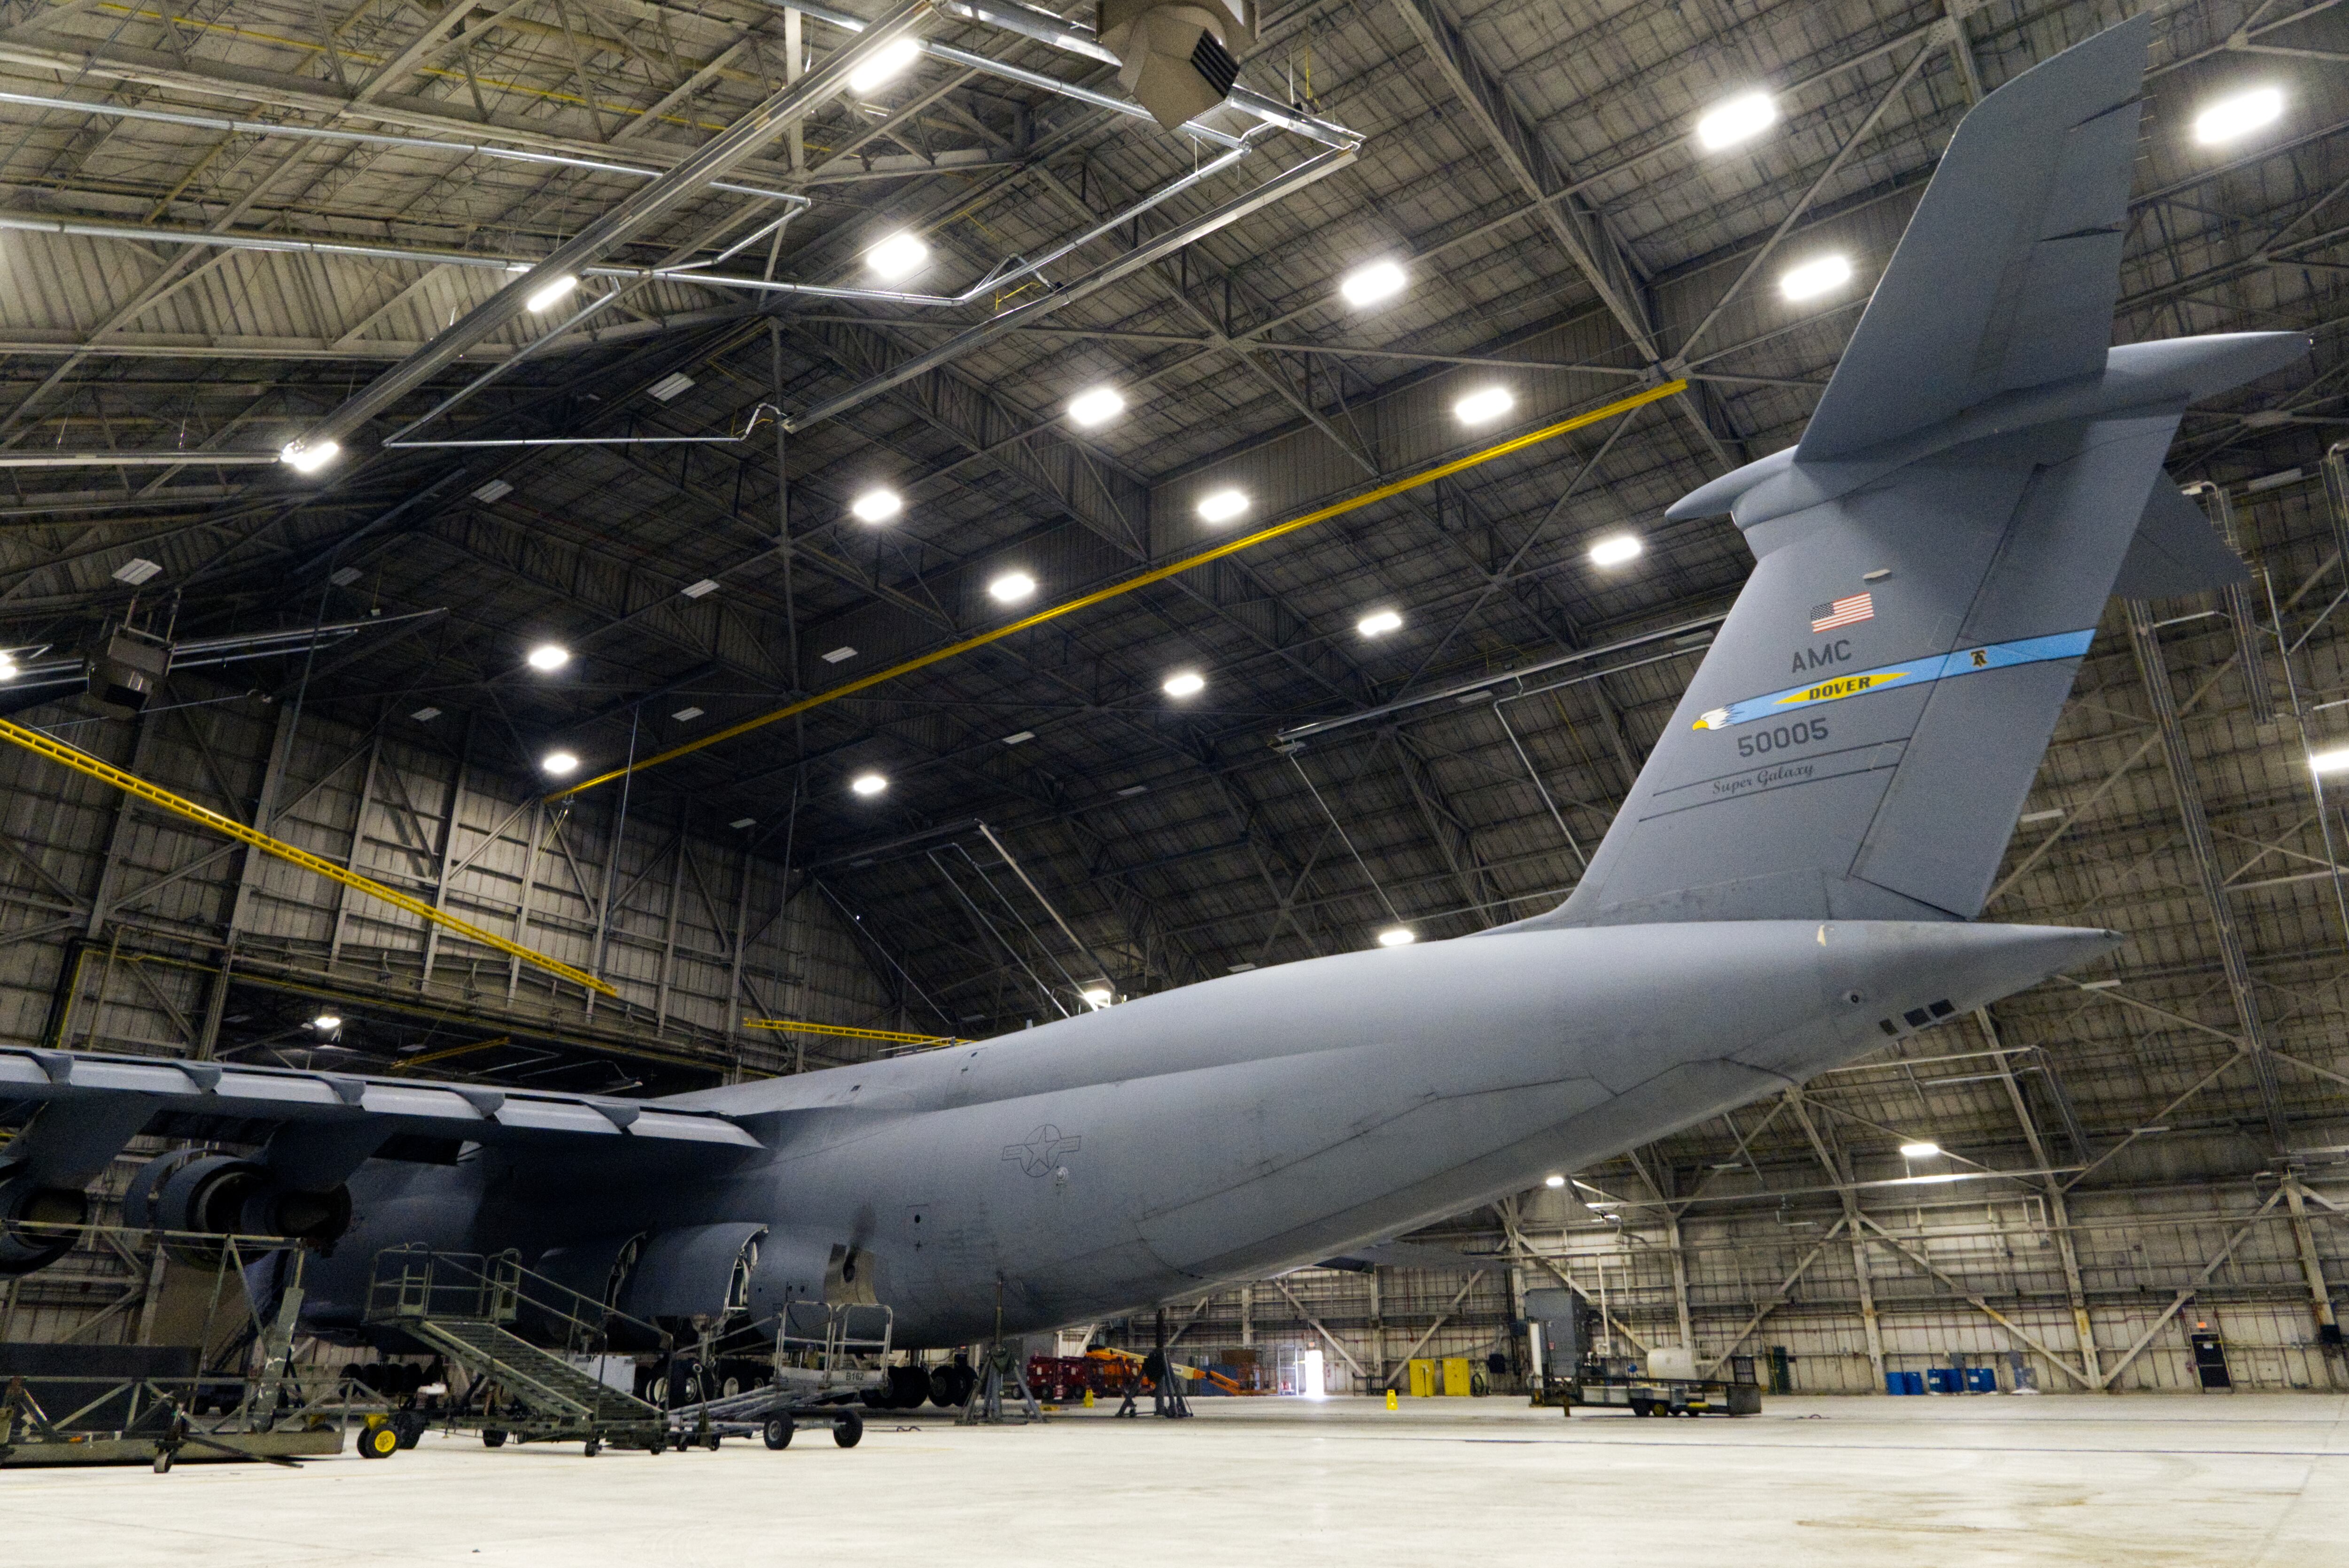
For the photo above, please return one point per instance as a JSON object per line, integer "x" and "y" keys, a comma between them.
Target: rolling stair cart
{"x": 464, "y": 1305}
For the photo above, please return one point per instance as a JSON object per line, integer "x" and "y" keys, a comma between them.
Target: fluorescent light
{"x": 1130, "y": 790}
{"x": 1097, "y": 996}
{"x": 670, "y": 385}
{"x": 425, "y": 715}
{"x": 887, "y": 63}
{"x": 1553, "y": 1181}
{"x": 548, "y": 656}
{"x": 1814, "y": 278}
{"x": 1919, "y": 1150}
{"x": 898, "y": 256}
{"x": 1239, "y": 968}
{"x": 840, "y": 656}
{"x": 695, "y": 590}
{"x": 343, "y": 576}
{"x": 1484, "y": 406}
{"x": 496, "y": 490}
{"x": 2239, "y": 116}
{"x": 2333, "y": 762}
{"x": 739, "y": 824}
{"x": 308, "y": 459}
{"x": 559, "y": 763}
{"x": 1021, "y": 738}
{"x": 868, "y": 784}
{"x": 1011, "y": 587}
{"x": 1222, "y": 506}
{"x": 550, "y": 294}
{"x": 325, "y": 1021}
{"x": 135, "y": 571}
{"x": 1097, "y": 405}
{"x": 687, "y": 714}
{"x": 1398, "y": 936}
{"x": 1614, "y": 549}
{"x": 1379, "y": 623}
{"x": 876, "y": 506}
{"x": 1736, "y": 119}
{"x": 1185, "y": 683}
{"x": 7, "y": 667}
{"x": 1370, "y": 283}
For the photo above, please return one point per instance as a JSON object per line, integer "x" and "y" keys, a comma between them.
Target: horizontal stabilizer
{"x": 2007, "y": 275}
{"x": 2176, "y": 551}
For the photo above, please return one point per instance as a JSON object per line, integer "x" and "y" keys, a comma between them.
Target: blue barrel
{"x": 1904, "y": 1383}
{"x": 1982, "y": 1379}
{"x": 1944, "y": 1380}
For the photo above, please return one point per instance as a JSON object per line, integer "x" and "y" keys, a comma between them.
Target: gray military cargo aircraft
{"x": 1792, "y": 882}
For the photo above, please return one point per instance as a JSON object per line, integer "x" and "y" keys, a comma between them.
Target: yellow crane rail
{"x": 138, "y": 788}
{"x": 894, "y": 1036}
{"x": 1143, "y": 580}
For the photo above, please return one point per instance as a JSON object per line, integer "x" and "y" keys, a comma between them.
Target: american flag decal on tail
{"x": 1842, "y": 612}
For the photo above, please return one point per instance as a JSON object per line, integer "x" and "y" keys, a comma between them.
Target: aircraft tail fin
{"x": 1866, "y": 723}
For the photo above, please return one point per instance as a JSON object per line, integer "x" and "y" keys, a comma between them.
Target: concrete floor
{"x": 2233, "y": 1480}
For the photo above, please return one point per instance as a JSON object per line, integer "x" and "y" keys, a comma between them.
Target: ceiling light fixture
{"x": 1484, "y": 406}
{"x": 1919, "y": 1150}
{"x": 868, "y": 784}
{"x": 496, "y": 490}
{"x": 1733, "y": 120}
{"x": 1614, "y": 549}
{"x": 1011, "y": 587}
{"x": 695, "y": 590}
{"x": 888, "y": 63}
{"x": 136, "y": 571}
{"x": 1812, "y": 279}
{"x": 1222, "y": 506}
{"x": 559, "y": 763}
{"x": 1021, "y": 738}
{"x": 1096, "y": 405}
{"x": 1398, "y": 936}
{"x": 739, "y": 824}
{"x": 899, "y": 256}
{"x": 876, "y": 506}
{"x": 687, "y": 714}
{"x": 1185, "y": 683}
{"x": 2333, "y": 762}
{"x": 839, "y": 655}
{"x": 326, "y": 1022}
{"x": 670, "y": 385}
{"x": 1097, "y": 996}
{"x": 547, "y": 656}
{"x": 2239, "y": 114}
{"x": 306, "y": 458}
{"x": 1379, "y": 623}
{"x": 1375, "y": 282}
{"x": 1553, "y": 1181}
{"x": 425, "y": 715}
{"x": 550, "y": 294}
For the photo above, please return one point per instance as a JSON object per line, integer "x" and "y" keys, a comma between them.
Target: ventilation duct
{"x": 126, "y": 670}
{"x": 1177, "y": 57}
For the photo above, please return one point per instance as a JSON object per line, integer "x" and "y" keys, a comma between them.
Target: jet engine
{"x": 24, "y": 1202}
{"x": 208, "y": 1198}
{"x": 1178, "y": 58}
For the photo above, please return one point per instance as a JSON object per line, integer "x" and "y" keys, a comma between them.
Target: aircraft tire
{"x": 778, "y": 1432}
{"x": 379, "y": 1442}
{"x": 849, "y": 1430}
{"x": 594, "y": 1446}
{"x": 491, "y": 1437}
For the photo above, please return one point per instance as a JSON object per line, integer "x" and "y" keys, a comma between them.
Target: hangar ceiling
{"x": 223, "y": 223}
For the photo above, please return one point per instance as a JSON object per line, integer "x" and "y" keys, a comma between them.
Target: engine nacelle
{"x": 204, "y": 1195}
{"x": 25, "y": 1202}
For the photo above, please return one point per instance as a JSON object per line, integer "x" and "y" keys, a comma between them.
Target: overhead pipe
{"x": 233, "y": 127}
{"x": 641, "y": 208}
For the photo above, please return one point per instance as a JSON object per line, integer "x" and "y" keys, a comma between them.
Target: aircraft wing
{"x": 73, "y": 1111}
{"x": 2007, "y": 276}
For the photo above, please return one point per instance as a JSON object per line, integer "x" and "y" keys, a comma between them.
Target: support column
{"x": 536, "y": 829}
{"x": 2156, "y": 672}
{"x": 2320, "y": 1294}
{"x": 2059, "y": 1212}
{"x": 1839, "y": 1172}
{"x": 454, "y": 802}
{"x": 265, "y": 819}
{"x": 1679, "y": 1280}
{"x": 669, "y": 920}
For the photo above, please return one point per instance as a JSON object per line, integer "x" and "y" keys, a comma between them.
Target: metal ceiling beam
{"x": 638, "y": 211}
